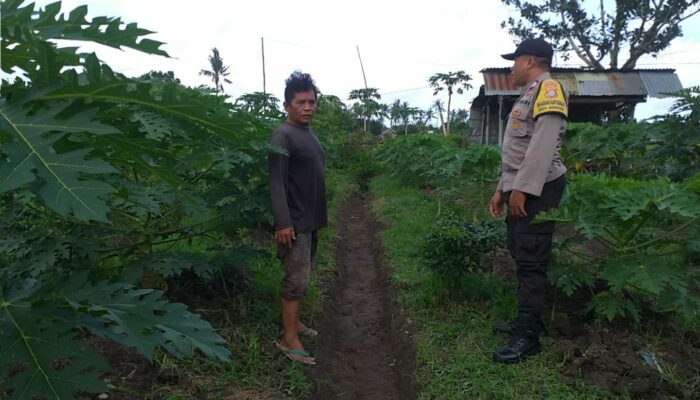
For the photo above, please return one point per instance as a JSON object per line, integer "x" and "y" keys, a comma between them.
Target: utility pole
{"x": 262, "y": 42}
{"x": 361, "y": 66}
{"x": 365, "y": 79}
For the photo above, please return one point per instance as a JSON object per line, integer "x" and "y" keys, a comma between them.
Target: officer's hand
{"x": 285, "y": 236}
{"x": 516, "y": 204}
{"x": 496, "y": 204}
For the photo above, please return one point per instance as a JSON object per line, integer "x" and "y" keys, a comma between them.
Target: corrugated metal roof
{"x": 568, "y": 69}
{"x": 657, "y": 85}
{"x": 500, "y": 84}
{"x": 568, "y": 81}
{"x": 578, "y": 82}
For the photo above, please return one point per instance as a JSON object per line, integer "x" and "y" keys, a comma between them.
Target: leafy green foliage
{"x": 436, "y": 161}
{"x": 457, "y": 247}
{"x": 41, "y": 326}
{"x": 645, "y": 232}
{"x": 39, "y": 355}
{"x": 333, "y": 117}
{"x": 32, "y": 150}
{"x": 665, "y": 146}
{"x": 105, "y": 181}
{"x": 362, "y": 166}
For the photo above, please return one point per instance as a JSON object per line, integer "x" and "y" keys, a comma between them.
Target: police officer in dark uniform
{"x": 532, "y": 180}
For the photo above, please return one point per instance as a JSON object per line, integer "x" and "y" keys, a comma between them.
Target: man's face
{"x": 519, "y": 70}
{"x": 301, "y": 108}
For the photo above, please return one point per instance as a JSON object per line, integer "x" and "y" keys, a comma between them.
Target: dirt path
{"x": 365, "y": 350}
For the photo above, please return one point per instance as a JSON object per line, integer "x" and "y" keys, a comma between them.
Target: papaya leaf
{"x": 34, "y": 257}
{"x": 171, "y": 264}
{"x": 141, "y": 154}
{"x": 39, "y": 356}
{"x": 188, "y": 106}
{"x": 612, "y": 306}
{"x": 65, "y": 186}
{"x": 569, "y": 276}
{"x": 156, "y": 127}
{"x": 112, "y": 32}
{"x": 139, "y": 318}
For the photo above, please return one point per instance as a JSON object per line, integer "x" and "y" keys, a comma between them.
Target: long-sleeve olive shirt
{"x": 297, "y": 184}
{"x": 532, "y": 138}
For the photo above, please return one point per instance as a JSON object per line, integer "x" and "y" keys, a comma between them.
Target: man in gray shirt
{"x": 298, "y": 197}
{"x": 532, "y": 180}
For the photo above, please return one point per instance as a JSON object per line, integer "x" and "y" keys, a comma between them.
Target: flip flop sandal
{"x": 308, "y": 332}
{"x": 289, "y": 353}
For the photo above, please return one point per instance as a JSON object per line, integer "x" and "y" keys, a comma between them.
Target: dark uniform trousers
{"x": 530, "y": 245}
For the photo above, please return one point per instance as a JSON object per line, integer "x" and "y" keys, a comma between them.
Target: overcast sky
{"x": 401, "y": 44}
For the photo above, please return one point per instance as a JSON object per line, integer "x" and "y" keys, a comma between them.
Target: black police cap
{"x": 532, "y": 47}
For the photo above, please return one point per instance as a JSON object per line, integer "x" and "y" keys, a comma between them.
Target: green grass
{"x": 454, "y": 339}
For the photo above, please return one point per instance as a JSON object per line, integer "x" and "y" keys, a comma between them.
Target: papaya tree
{"x": 453, "y": 82}
{"x": 367, "y": 103}
{"x": 99, "y": 175}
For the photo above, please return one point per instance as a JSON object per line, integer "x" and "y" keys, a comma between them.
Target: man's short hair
{"x": 298, "y": 82}
{"x": 543, "y": 62}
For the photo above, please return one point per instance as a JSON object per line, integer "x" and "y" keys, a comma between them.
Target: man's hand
{"x": 496, "y": 204}
{"x": 516, "y": 204}
{"x": 285, "y": 236}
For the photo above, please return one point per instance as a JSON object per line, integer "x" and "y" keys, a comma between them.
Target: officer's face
{"x": 519, "y": 70}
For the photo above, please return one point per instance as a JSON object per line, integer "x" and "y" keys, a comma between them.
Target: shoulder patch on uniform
{"x": 550, "y": 99}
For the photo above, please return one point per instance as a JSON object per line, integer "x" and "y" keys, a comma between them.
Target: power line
{"x": 286, "y": 42}
{"x": 680, "y": 51}
{"x": 405, "y": 90}
{"x": 672, "y": 63}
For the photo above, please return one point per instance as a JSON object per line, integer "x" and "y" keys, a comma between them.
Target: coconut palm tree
{"x": 439, "y": 107}
{"x": 453, "y": 82}
{"x": 218, "y": 72}
{"x": 395, "y": 112}
{"x": 428, "y": 114}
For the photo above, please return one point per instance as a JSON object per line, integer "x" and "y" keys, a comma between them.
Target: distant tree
{"x": 460, "y": 123}
{"x": 440, "y": 107}
{"x": 332, "y": 115}
{"x": 405, "y": 113}
{"x": 168, "y": 76}
{"x": 369, "y": 106}
{"x": 264, "y": 104}
{"x": 218, "y": 72}
{"x": 428, "y": 114}
{"x": 604, "y": 30}
{"x": 395, "y": 112}
{"x": 453, "y": 82}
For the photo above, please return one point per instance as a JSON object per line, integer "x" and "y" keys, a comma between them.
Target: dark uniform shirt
{"x": 532, "y": 139}
{"x": 297, "y": 184}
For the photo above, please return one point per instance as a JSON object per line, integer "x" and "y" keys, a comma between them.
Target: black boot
{"x": 509, "y": 327}
{"x": 518, "y": 348}
{"x": 524, "y": 342}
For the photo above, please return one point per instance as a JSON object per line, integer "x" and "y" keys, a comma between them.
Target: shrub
{"x": 649, "y": 230}
{"x": 457, "y": 247}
